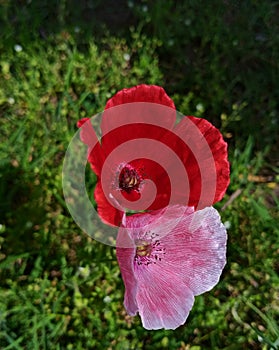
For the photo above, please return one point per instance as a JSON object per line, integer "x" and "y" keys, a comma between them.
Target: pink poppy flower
{"x": 168, "y": 257}
{"x": 142, "y": 143}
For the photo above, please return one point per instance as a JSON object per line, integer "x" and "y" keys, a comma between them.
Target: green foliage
{"x": 59, "y": 288}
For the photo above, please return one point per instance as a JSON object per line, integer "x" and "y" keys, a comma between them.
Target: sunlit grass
{"x": 59, "y": 288}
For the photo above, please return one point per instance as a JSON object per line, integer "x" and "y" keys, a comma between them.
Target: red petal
{"x": 82, "y": 121}
{"x": 132, "y": 196}
{"x": 129, "y": 112}
{"x": 152, "y": 170}
{"x": 141, "y": 93}
{"x": 121, "y": 134}
{"x": 107, "y": 212}
{"x": 134, "y": 121}
{"x": 89, "y": 138}
{"x": 211, "y": 160}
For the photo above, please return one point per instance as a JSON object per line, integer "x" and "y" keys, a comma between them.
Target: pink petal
{"x": 161, "y": 303}
{"x": 191, "y": 261}
{"x": 196, "y": 250}
{"x": 194, "y": 242}
{"x": 164, "y": 301}
{"x": 125, "y": 257}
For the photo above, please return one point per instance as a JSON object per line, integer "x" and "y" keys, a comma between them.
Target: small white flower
{"x": 77, "y": 29}
{"x": 144, "y": 8}
{"x": 170, "y": 42}
{"x": 107, "y": 299}
{"x": 84, "y": 272}
{"x": 11, "y": 100}
{"x": 29, "y": 224}
{"x": 227, "y": 224}
{"x": 126, "y": 57}
{"x": 200, "y": 107}
{"x": 187, "y": 22}
{"x": 130, "y": 4}
{"x": 18, "y": 48}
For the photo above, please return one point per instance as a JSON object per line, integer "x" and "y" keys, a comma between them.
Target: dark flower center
{"x": 148, "y": 249}
{"x": 129, "y": 179}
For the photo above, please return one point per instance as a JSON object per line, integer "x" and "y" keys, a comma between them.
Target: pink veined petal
{"x": 125, "y": 257}
{"x": 163, "y": 302}
{"x": 162, "y": 221}
{"x": 195, "y": 246}
{"x": 207, "y": 251}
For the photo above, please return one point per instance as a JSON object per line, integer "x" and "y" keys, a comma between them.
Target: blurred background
{"x": 60, "y": 61}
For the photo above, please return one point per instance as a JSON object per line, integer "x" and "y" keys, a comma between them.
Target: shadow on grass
{"x": 24, "y": 21}
{"x": 21, "y": 208}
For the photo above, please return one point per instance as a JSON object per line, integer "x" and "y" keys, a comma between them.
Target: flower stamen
{"x": 143, "y": 248}
{"x": 148, "y": 251}
{"x": 129, "y": 179}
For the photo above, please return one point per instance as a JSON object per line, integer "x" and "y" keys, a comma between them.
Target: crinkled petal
{"x": 164, "y": 301}
{"x": 152, "y": 170}
{"x": 125, "y": 257}
{"x": 198, "y": 243}
{"x": 122, "y": 134}
{"x": 108, "y": 213}
{"x": 160, "y": 301}
{"x": 89, "y": 138}
{"x": 195, "y": 245}
{"x": 142, "y": 105}
{"x": 82, "y": 121}
{"x": 194, "y": 255}
{"x": 141, "y": 93}
{"x": 210, "y": 151}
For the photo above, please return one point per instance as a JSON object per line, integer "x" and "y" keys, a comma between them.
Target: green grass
{"x": 59, "y": 288}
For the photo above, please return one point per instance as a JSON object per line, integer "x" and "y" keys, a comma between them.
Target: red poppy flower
{"x": 145, "y": 161}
